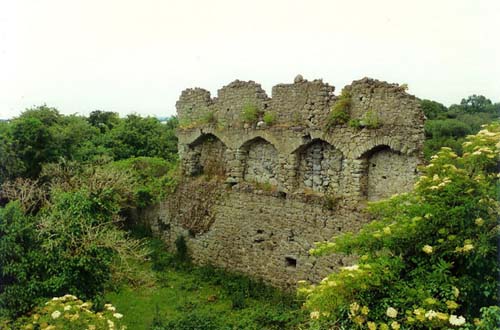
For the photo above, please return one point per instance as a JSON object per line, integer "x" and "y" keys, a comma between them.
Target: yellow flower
{"x": 350, "y": 268}
{"x": 391, "y": 312}
{"x": 427, "y": 249}
{"x": 457, "y": 320}
{"x": 55, "y": 314}
{"x": 383, "y": 326}
{"x": 365, "y": 310}
{"x": 468, "y": 247}
{"x": 430, "y": 301}
{"x": 387, "y": 230}
{"x": 430, "y": 314}
{"x": 442, "y": 316}
{"x": 359, "y": 319}
{"x": 451, "y": 304}
{"x": 314, "y": 315}
{"x": 371, "y": 326}
{"x": 419, "y": 313}
{"x": 395, "y": 325}
{"x": 354, "y": 307}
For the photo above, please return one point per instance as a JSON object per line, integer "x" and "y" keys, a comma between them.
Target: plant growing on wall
{"x": 269, "y": 118}
{"x": 250, "y": 114}
{"x": 370, "y": 120}
{"x": 339, "y": 113}
{"x": 209, "y": 118}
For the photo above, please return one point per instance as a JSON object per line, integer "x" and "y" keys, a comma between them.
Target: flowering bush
{"x": 70, "y": 313}
{"x": 429, "y": 259}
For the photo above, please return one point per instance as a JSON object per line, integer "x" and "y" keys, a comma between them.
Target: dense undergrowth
{"x": 182, "y": 296}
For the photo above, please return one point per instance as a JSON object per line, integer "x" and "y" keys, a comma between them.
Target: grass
{"x": 189, "y": 297}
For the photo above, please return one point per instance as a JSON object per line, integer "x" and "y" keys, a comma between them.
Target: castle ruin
{"x": 263, "y": 178}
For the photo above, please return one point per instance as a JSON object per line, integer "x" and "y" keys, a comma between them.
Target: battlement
{"x": 302, "y": 103}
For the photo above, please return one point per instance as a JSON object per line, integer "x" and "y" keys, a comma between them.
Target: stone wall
{"x": 287, "y": 184}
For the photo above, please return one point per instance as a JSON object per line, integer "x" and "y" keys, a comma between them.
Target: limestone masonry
{"x": 264, "y": 178}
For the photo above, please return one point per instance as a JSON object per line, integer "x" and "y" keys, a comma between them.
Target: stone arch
{"x": 207, "y": 155}
{"x": 261, "y": 161}
{"x": 319, "y": 166}
{"x": 387, "y": 172}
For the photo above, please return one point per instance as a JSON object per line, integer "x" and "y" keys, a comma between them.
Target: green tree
{"x": 475, "y": 103}
{"x": 104, "y": 120}
{"x": 137, "y": 136}
{"x": 33, "y": 139}
{"x": 433, "y": 109}
{"x": 10, "y": 164}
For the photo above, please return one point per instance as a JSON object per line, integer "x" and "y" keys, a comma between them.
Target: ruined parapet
{"x": 290, "y": 174}
{"x": 302, "y": 103}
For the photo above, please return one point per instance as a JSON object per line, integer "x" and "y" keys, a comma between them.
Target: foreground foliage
{"x": 69, "y": 313}
{"x": 66, "y": 241}
{"x": 429, "y": 259}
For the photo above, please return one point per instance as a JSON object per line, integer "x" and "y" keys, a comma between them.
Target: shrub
{"x": 269, "y": 118}
{"x": 70, "y": 245}
{"x": 339, "y": 113}
{"x": 69, "y": 312}
{"x": 429, "y": 259}
{"x": 22, "y": 262}
{"x": 250, "y": 114}
{"x": 152, "y": 179}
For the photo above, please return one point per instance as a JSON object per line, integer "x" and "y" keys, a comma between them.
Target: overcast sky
{"x": 138, "y": 55}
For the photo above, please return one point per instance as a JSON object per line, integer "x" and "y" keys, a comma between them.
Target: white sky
{"x": 138, "y": 55}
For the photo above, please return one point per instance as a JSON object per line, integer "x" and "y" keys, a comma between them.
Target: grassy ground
{"x": 187, "y": 297}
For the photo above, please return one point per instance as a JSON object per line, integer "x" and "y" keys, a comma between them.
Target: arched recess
{"x": 208, "y": 155}
{"x": 261, "y": 161}
{"x": 387, "y": 172}
{"x": 319, "y": 166}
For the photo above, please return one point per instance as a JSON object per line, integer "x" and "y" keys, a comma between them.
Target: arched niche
{"x": 319, "y": 166}
{"x": 208, "y": 155}
{"x": 261, "y": 161}
{"x": 388, "y": 172}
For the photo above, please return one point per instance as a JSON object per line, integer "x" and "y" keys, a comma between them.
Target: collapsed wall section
{"x": 289, "y": 172}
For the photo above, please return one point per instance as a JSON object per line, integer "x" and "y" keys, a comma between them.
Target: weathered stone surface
{"x": 316, "y": 180}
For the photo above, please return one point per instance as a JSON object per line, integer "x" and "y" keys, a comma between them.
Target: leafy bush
{"x": 250, "y": 114}
{"x": 72, "y": 244}
{"x": 154, "y": 178}
{"x": 22, "y": 262}
{"x": 70, "y": 313}
{"x": 429, "y": 259}
{"x": 269, "y": 118}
